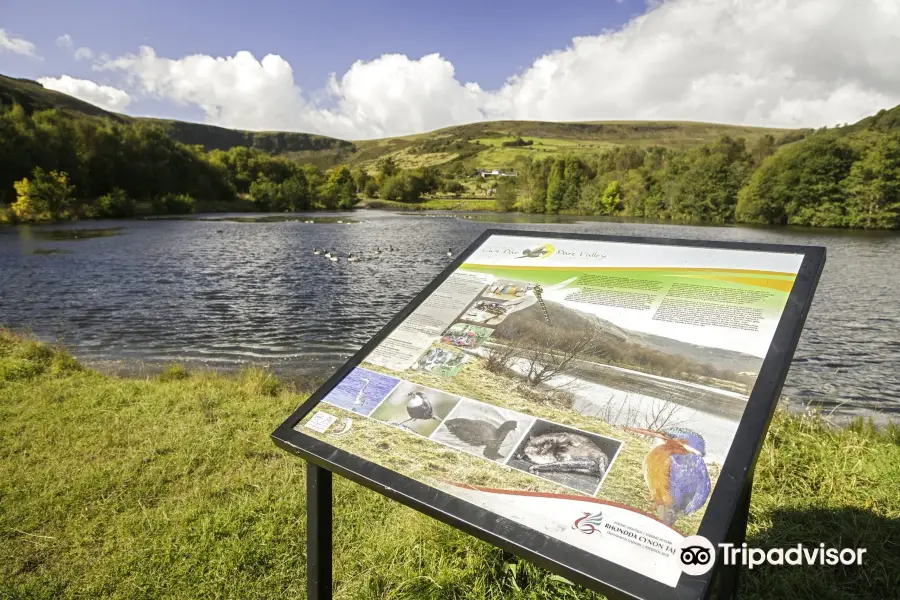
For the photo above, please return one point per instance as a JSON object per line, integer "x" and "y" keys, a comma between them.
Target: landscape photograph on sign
{"x": 614, "y": 382}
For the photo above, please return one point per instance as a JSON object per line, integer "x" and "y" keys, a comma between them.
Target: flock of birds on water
{"x": 335, "y": 257}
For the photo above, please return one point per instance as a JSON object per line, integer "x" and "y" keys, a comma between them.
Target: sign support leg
{"x": 318, "y": 533}
{"x": 728, "y": 579}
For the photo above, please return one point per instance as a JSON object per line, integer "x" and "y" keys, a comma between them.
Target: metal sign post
{"x": 318, "y": 533}
{"x": 605, "y": 502}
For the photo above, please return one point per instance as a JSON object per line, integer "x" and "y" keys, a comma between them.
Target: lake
{"x": 223, "y": 293}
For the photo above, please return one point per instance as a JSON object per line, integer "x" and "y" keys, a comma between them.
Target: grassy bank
{"x": 463, "y": 204}
{"x": 170, "y": 488}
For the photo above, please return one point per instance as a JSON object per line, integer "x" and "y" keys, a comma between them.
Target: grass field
{"x": 464, "y": 204}
{"x": 169, "y": 487}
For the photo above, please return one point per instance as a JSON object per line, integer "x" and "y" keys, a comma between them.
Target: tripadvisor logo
{"x": 698, "y": 555}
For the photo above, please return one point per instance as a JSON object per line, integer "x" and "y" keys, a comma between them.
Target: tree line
{"x": 54, "y": 166}
{"x": 826, "y": 179}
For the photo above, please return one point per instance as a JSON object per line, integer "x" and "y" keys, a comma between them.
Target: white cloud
{"x": 17, "y": 45}
{"x": 84, "y": 53}
{"x": 794, "y": 63}
{"x": 103, "y": 96}
{"x": 64, "y": 42}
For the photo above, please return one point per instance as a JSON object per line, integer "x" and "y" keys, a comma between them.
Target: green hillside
{"x": 32, "y": 96}
{"x": 497, "y": 144}
{"x": 86, "y": 162}
{"x": 475, "y": 145}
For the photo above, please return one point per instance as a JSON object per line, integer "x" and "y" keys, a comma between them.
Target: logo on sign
{"x": 589, "y": 523}
{"x": 539, "y": 251}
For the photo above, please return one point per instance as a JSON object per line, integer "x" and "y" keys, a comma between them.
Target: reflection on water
{"x": 223, "y": 293}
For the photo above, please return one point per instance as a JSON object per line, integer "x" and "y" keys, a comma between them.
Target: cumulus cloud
{"x": 64, "y": 42}
{"x": 792, "y": 63}
{"x": 103, "y": 96}
{"x": 17, "y": 45}
{"x": 84, "y": 53}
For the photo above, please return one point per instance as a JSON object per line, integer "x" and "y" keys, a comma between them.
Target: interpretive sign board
{"x": 586, "y": 402}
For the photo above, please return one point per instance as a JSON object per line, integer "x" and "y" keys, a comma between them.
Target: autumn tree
{"x": 45, "y": 196}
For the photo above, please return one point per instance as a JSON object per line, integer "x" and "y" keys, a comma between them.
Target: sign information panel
{"x": 586, "y": 389}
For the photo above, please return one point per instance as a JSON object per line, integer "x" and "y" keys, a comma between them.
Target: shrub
{"x": 115, "y": 204}
{"x": 175, "y": 204}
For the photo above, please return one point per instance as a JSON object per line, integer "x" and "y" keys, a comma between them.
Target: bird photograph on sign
{"x": 482, "y": 429}
{"x": 415, "y": 408}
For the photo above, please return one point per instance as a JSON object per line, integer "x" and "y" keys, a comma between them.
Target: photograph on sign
{"x": 589, "y": 390}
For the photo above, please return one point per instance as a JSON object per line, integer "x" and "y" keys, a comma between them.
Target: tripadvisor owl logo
{"x": 698, "y": 555}
{"x": 539, "y": 251}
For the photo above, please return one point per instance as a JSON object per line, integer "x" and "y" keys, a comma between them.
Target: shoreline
{"x": 473, "y": 211}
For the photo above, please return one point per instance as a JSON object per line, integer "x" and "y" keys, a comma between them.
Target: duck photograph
{"x": 482, "y": 429}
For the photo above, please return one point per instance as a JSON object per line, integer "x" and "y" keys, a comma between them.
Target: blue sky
{"x": 764, "y": 62}
{"x": 486, "y": 41}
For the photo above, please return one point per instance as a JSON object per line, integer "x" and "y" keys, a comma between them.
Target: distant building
{"x": 495, "y": 173}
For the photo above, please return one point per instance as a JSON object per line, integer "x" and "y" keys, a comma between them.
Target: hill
{"x": 494, "y": 144}
{"x": 497, "y": 144}
{"x": 32, "y": 96}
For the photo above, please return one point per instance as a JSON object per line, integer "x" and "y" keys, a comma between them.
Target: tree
{"x": 387, "y": 168}
{"x": 360, "y": 179}
{"x": 573, "y": 177}
{"x": 555, "y": 354}
{"x": 873, "y": 186}
{"x": 453, "y": 187}
{"x": 371, "y": 188}
{"x": 506, "y": 194}
{"x": 556, "y": 187}
{"x": 611, "y": 198}
{"x": 339, "y": 190}
{"x": 801, "y": 184}
{"x": 45, "y": 196}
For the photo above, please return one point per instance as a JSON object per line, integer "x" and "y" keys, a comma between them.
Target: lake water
{"x": 225, "y": 293}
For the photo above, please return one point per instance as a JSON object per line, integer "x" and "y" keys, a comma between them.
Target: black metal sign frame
{"x": 725, "y": 517}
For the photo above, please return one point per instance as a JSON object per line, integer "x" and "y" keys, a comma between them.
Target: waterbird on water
{"x": 476, "y": 432}
{"x": 352, "y": 258}
{"x": 316, "y": 251}
{"x": 450, "y": 253}
{"x": 328, "y": 254}
{"x": 675, "y": 472}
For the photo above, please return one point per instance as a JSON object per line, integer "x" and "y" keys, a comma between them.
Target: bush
{"x": 115, "y": 204}
{"x": 45, "y": 196}
{"x": 174, "y": 204}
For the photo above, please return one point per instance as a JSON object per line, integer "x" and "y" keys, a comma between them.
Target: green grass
{"x": 170, "y": 488}
{"x": 462, "y": 204}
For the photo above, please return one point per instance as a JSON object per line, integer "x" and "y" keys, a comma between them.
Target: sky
{"x": 366, "y": 69}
